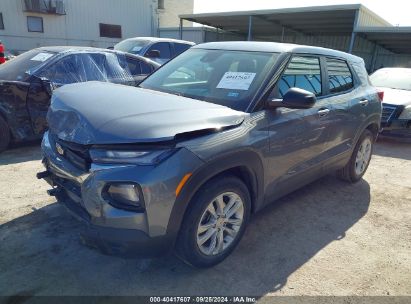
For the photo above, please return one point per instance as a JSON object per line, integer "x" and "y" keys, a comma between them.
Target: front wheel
{"x": 360, "y": 159}
{"x": 215, "y": 222}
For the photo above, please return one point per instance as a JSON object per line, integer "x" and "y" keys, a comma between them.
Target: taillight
{"x": 381, "y": 95}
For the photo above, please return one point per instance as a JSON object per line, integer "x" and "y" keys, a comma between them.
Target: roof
{"x": 157, "y": 39}
{"x": 73, "y": 49}
{"x": 275, "y": 47}
{"x": 331, "y": 20}
{"x": 395, "y": 39}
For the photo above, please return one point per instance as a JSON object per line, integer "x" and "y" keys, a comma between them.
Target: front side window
{"x": 228, "y": 78}
{"x": 163, "y": 48}
{"x": 35, "y": 24}
{"x": 339, "y": 76}
{"x": 302, "y": 72}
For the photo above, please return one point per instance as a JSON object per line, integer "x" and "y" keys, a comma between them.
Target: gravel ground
{"x": 329, "y": 238}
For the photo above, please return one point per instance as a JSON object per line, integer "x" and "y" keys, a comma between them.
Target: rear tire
{"x": 360, "y": 159}
{"x": 4, "y": 135}
{"x": 214, "y": 223}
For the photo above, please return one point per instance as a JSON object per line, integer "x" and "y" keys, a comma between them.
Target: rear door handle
{"x": 323, "y": 112}
{"x": 363, "y": 102}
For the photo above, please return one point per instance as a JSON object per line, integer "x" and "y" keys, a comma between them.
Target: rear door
{"x": 349, "y": 103}
{"x": 297, "y": 136}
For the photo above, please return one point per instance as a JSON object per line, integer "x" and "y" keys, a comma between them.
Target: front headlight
{"x": 406, "y": 113}
{"x": 129, "y": 157}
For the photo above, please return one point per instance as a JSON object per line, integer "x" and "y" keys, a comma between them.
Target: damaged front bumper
{"x": 110, "y": 229}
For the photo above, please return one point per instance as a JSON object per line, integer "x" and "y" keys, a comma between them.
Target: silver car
{"x": 182, "y": 162}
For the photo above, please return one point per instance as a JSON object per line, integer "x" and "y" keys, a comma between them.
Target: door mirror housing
{"x": 294, "y": 98}
{"x": 153, "y": 54}
{"x": 47, "y": 85}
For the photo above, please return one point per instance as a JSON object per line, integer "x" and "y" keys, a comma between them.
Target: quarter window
{"x": 302, "y": 72}
{"x": 339, "y": 76}
{"x": 35, "y": 24}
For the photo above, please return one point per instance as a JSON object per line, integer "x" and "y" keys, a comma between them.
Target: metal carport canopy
{"x": 315, "y": 20}
{"x": 395, "y": 39}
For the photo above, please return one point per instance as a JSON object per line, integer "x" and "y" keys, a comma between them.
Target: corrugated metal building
{"x": 27, "y": 24}
{"x": 349, "y": 28}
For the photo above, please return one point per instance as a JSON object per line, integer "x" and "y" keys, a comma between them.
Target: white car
{"x": 396, "y": 113}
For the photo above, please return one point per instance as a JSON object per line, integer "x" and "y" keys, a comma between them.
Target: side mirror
{"x": 47, "y": 85}
{"x": 153, "y": 54}
{"x": 294, "y": 98}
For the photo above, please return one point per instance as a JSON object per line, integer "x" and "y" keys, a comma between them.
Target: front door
{"x": 297, "y": 136}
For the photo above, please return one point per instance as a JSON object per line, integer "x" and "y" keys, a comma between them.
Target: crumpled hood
{"x": 105, "y": 113}
{"x": 396, "y": 97}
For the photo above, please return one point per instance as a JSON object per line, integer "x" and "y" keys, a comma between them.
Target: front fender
{"x": 248, "y": 160}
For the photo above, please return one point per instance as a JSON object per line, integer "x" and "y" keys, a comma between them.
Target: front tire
{"x": 360, "y": 159}
{"x": 4, "y": 135}
{"x": 215, "y": 222}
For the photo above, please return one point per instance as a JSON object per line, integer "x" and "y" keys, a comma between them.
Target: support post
{"x": 374, "y": 58}
{"x": 353, "y": 34}
{"x": 180, "y": 29}
{"x": 250, "y": 28}
{"x": 282, "y": 34}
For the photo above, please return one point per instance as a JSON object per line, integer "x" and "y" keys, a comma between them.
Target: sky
{"x": 396, "y": 12}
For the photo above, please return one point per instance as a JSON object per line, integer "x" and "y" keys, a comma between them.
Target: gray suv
{"x": 183, "y": 161}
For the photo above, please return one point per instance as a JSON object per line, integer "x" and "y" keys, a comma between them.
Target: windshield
{"x": 21, "y": 67}
{"x": 132, "y": 46}
{"x": 228, "y": 78}
{"x": 392, "y": 78}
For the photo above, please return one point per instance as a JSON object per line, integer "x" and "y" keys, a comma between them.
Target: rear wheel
{"x": 215, "y": 222}
{"x": 360, "y": 159}
{"x": 4, "y": 135}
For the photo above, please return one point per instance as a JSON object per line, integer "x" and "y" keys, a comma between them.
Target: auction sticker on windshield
{"x": 236, "y": 81}
{"x": 41, "y": 57}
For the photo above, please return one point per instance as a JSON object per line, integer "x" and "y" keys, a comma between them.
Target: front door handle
{"x": 323, "y": 112}
{"x": 364, "y": 102}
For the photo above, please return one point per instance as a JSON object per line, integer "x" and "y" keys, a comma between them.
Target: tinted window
{"x": 180, "y": 47}
{"x": 339, "y": 76}
{"x": 163, "y": 48}
{"x": 303, "y": 73}
{"x": 35, "y": 24}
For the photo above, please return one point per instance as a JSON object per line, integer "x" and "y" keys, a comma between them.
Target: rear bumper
{"x": 397, "y": 129}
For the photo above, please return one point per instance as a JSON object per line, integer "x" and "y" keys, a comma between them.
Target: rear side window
{"x": 180, "y": 48}
{"x": 339, "y": 76}
{"x": 145, "y": 68}
{"x": 302, "y": 72}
